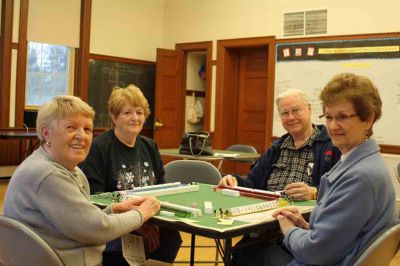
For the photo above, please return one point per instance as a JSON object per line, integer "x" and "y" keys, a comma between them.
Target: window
{"x": 48, "y": 73}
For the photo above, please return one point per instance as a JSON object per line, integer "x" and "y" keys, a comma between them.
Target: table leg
{"x": 228, "y": 252}
{"x": 192, "y": 247}
{"x": 220, "y": 165}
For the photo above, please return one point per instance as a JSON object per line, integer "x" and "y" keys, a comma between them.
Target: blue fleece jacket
{"x": 325, "y": 157}
{"x": 356, "y": 201}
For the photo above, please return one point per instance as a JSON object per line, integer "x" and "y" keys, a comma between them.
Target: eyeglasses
{"x": 340, "y": 118}
{"x": 294, "y": 111}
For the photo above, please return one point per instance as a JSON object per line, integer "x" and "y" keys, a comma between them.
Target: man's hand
{"x": 300, "y": 191}
{"x": 290, "y": 217}
{"x": 228, "y": 181}
{"x": 151, "y": 236}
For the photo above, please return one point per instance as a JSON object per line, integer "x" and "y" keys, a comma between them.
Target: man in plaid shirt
{"x": 295, "y": 162}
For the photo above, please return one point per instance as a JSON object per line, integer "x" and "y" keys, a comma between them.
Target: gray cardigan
{"x": 55, "y": 203}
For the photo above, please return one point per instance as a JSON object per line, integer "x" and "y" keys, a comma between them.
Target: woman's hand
{"x": 290, "y": 217}
{"x": 127, "y": 205}
{"x": 147, "y": 205}
{"x": 151, "y": 236}
{"x": 228, "y": 181}
{"x": 284, "y": 223}
{"x": 300, "y": 191}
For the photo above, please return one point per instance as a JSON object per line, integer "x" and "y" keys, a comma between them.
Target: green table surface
{"x": 205, "y": 193}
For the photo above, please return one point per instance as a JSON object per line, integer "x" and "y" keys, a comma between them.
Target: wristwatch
{"x": 315, "y": 193}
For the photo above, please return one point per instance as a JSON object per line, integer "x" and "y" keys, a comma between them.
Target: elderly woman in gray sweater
{"x": 49, "y": 193}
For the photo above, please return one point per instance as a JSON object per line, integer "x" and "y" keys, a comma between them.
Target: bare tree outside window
{"x": 48, "y": 73}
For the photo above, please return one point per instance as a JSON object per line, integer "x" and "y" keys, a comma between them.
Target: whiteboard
{"x": 312, "y": 75}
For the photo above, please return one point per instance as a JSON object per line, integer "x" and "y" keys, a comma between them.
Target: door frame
{"x": 227, "y": 86}
{"x": 199, "y": 47}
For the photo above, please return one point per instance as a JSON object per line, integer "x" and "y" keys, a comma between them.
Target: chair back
{"x": 382, "y": 249}
{"x": 243, "y": 148}
{"x": 397, "y": 172}
{"x": 186, "y": 171}
{"x": 20, "y": 245}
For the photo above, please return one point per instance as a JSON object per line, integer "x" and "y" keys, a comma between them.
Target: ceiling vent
{"x": 305, "y": 23}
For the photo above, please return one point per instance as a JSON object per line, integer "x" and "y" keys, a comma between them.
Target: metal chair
{"x": 242, "y": 148}
{"x": 20, "y": 245}
{"x": 397, "y": 172}
{"x": 186, "y": 171}
{"x": 381, "y": 249}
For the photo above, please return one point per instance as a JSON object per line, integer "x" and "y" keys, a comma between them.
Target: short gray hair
{"x": 292, "y": 92}
{"x": 57, "y": 108}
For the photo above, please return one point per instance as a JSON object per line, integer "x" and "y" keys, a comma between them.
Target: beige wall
{"x": 127, "y": 28}
{"x": 136, "y": 28}
{"x": 192, "y": 20}
{"x": 55, "y": 22}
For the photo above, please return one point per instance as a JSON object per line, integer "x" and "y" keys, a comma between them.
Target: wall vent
{"x": 303, "y": 23}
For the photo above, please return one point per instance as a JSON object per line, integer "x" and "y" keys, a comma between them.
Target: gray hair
{"x": 292, "y": 92}
{"x": 57, "y": 108}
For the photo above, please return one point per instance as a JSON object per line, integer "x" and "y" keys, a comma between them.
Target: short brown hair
{"x": 358, "y": 90}
{"x": 132, "y": 95}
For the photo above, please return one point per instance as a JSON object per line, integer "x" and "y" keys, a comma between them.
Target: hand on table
{"x": 147, "y": 205}
{"x": 228, "y": 181}
{"x": 290, "y": 217}
{"x": 300, "y": 191}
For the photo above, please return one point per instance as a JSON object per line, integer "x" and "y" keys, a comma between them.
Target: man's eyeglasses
{"x": 294, "y": 111}
{"x": 340, "y": 118}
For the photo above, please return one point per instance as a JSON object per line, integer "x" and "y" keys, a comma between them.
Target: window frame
{"x": 70, "y": 78}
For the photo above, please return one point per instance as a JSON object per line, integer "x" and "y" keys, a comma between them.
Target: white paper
{"x": 133, "y": 249}
{"x": 227, "y": 155}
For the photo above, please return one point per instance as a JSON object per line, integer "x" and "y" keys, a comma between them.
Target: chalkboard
{"x": 310, "y": 65}
{"x": 104, "y": 75}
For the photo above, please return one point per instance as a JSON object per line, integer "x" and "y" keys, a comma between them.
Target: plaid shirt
{"x": 293, "y": 165}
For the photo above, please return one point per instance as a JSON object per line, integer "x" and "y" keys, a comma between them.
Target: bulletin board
{"x": 309, "y": 65}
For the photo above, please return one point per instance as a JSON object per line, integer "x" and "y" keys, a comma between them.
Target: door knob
{"x": 158, "y": 125}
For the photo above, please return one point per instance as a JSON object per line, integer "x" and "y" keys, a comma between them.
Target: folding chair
{"x": 382, "y": 249}
{"x": 20, "y": 245}
{"x": 186, "y": 171}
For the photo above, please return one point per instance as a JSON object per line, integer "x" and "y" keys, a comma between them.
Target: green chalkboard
{"x": 106, "y": 74}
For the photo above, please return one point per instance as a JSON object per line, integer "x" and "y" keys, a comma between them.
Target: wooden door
{"x": 252, "y": 95}
{"x": 169, "y": 113}
{"x": 252, "y": 81}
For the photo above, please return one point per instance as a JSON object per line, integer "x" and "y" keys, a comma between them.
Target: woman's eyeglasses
{"x": 340, "y": 118}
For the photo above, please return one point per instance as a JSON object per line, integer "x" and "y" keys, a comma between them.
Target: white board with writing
{"x": 312, "y": 75}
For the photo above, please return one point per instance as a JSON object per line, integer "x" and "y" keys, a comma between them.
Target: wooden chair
{"x": 20, "y": 245}
{"x": 382, "y": 249}
{"x": 187, "y": 171}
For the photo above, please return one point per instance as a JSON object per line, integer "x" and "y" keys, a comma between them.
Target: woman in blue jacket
{"x": 356, "y": 198}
